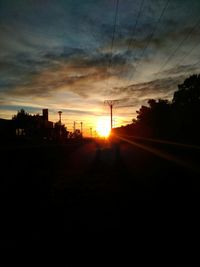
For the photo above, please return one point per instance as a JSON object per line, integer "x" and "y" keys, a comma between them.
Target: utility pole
{"x": 111, "y": 104}
{"x": 81, "y": 128}
{"x": 59, "y": 114}
{"x": 74, "y": 126}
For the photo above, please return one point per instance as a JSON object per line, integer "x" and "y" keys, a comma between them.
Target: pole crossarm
{"x": 111, "y": 102}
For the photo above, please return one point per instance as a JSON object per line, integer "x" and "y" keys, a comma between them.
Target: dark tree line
{"x": 176, "y": 120}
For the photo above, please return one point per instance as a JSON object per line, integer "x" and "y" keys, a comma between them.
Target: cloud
{"x": 180, "y": 70}
{"x": 160, "y": 88}
{"x": 71, "y": 70}
{"x": 56, "y": 50}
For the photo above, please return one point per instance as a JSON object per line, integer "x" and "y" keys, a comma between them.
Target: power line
{"x": 112, "y": 41}
{"x": 151, "y": 36}
{"x": 130, "y": 44}
{"x": 178, "y": 46}
{"x": 114, "y": 31}
{"x": 136, "y": 23}
{"x": 187, "y": 54}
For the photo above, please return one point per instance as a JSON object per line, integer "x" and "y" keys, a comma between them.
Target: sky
{"x": 71, "y": 55}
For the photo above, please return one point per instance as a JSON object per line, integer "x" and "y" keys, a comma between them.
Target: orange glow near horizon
{"x": 103, "y": 127}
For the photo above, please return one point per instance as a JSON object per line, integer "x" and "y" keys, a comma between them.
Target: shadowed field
{"x": 49, "y": 192}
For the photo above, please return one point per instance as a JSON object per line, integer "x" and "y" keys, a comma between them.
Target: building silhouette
{"x": 26, "y": 126}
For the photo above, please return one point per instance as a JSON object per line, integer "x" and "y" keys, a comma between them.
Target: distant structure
{"x": 26, "y": 126}
{"x": 74, "y": 126}
{"x": 60, "y": 113}
{"x": 45, "y": 114}
{"x": 111, "y": 104}
{"x": 81, "y": 128}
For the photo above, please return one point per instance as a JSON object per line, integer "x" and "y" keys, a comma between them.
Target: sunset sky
{"x": 70, "y": 55}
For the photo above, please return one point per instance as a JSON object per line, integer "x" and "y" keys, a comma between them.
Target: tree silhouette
{"x": 22, "y": 120}
{"x": 188, "y": 93}
{"x": 186, "y": 109}
{"x": 22, "y": 117}
{"x": 60, "y": 130}
{"x": 176, "y": 120}
{"x": 154, "y": 119}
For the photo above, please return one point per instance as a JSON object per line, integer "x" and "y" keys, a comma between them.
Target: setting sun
{"x": 103, "y": 127}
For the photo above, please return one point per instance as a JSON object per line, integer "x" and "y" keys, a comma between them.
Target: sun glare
{"x": 103, "y": 127}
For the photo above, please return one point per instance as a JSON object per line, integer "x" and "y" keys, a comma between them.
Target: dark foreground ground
{"x": 53, "y": 194}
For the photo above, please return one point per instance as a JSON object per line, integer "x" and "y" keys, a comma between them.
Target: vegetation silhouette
{"x": 174, "y": 120}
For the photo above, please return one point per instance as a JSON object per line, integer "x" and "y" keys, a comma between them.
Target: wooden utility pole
{"x": 81, "y": 128}
{"x": 60, "y": 113}
{"x": 111, "y": 104}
